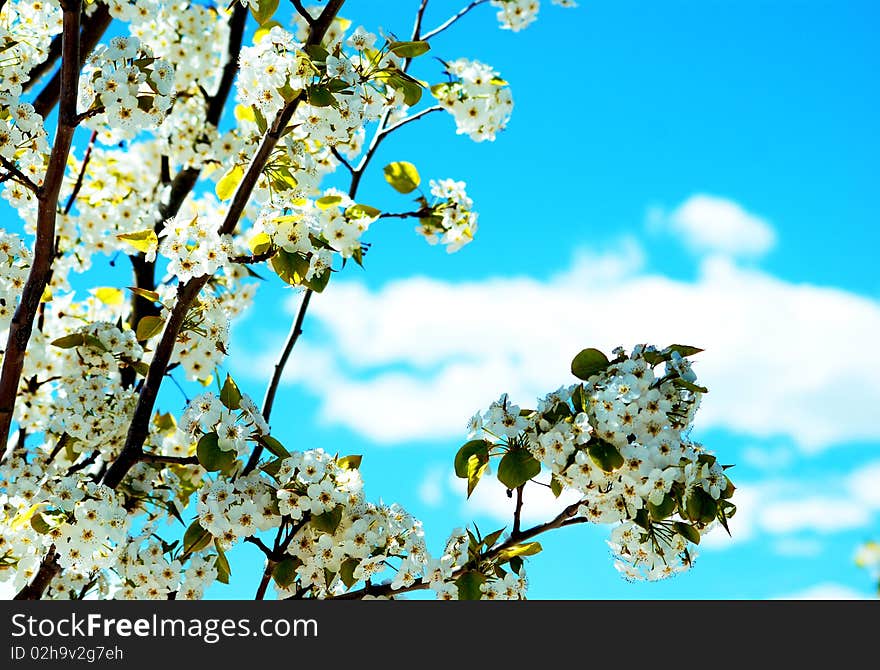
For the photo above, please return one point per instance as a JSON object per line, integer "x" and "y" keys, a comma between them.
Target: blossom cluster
{"x": 26, "y": 31}
{"x": 452, "y": 221}
{"x": 620, "y": 441}
{"x": 23, "y": 145}
{"x": 124, "y": 89}
{"x": 516, "y": 15}
{"x": 478, "y": 99}
{"x": 14, "y": 264}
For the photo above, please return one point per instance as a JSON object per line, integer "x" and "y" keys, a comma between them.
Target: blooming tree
{"x": 95, "y": 476}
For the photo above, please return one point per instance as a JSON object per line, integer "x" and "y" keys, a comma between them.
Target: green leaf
{"x": 143, "y": 240}
{"x": 476, "y": 466}
{"x": 466, "y": 451}
{"x": 346, "y": 571}
{"x": 350, "y": 462}
{"x": 468, "y": 584}
{"x": 211, "y": 456}
{"x": 291, "y": 267}
{"x": 516, "y": 564}
{"x": 605, "y": 455}
{"x": 579, "y": 399}
{"x": 274, "y": 446}
{"x": 700, "y": 506}
{"x": 517, "y": 467}
{"x": 588, "y": 363}
{"x": 490, "y": 540}
{"x": 688, "y": 531}
{"x": 320, "y": 96}
{"x": 690, "y": 386}
{"x": 222, "y": 565}
{"x": 316, "y": 52}
{"x": 264, "y": 10}
{"x": 284, "y": 573}
{"x": 664, "y": 510}
{"x": 362, "y": 211}
{"x": 555, "y": 486}
{"x": 409, "y": 49}
{"x": 272, "y": 467}
{"x": 149, "y": 326}
{"x": 402, "y": 176}
{"x": 38, "y": 523}
{"x": 195, "y": 538}
{"x": 230, "y": 396}
{"x": 225, "y": 188}
{"x": 319, "y": 282}
{"x": 79, "y": 340}
{"x": 524, "y": 549}
{"x": 328, "y": 521}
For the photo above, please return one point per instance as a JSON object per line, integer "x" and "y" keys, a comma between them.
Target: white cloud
{"x": 822, "y": 514}
{"x": 709, "y": 224}
{"x": 431, "y": 488}
{"x": 825, "y": 591}
{"x": 864, "y": 484}
{"x": 797, "y": 547}
{"x": 414, "y": 359}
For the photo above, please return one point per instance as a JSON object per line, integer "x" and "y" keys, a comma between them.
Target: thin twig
{"x": 517, "y": 512}
{"x": 303, "y": 12}
{"x": 439, "y": 29}
{"x": 338, "y": 156}
{"x": 269, "y": 399}
{"x": 417, "y": 29}
{"x": 256, "y": 258}
{"x": 18, "y": 175}
{"x": 82, "y": 173}
{"x": 411, "y": 118}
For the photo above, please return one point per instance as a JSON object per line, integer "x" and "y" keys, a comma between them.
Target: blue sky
{"x": 684, "y": 171}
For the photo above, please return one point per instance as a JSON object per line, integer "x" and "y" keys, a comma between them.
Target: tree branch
{"x": 48, "y": 569}
{"x": 411, "y": 118}
{"x": 189, "y": 291}
{"x": 417, "y": 29}
{"x": 439, "y": 29}
{"x": 303, "y": 12}
{"x": 44, "y": 246}
{"x": 93, "y": 29}
{"x": 169, "y": 460}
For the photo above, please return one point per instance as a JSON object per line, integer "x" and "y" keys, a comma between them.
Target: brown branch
{"x": 439, "y": 29}
{"x": 48, "y": 569}
{"x": 517, "y": 512}
{"x": 188, "y": 292}
{"x": 256, "y": 258}
{"x": 185, "y": 180}
{"x": 303, "y": 12}
{"x": 93, "y": 29}
{"x": 269, "y": 399}
{"x": 169, "y": 460}
{"x": 44, "y": 246}
{"x": 264, "y": 582}
{"x": 564, "y": 518}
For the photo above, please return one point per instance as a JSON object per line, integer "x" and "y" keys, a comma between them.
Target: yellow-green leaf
{"x": 328, "y": 201}
{"x": 229, "y": 182}
{"x": 195, "y": 538}
{"x": 350, "y": 462}
{"x": 152, "y": 296}
{"x": 402, "y": 176}
{"x": 148, "y": 327}
{"x": 109, "y": 295}
{"x": 143, "y": 240}
{"x": 524, "y": 549}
